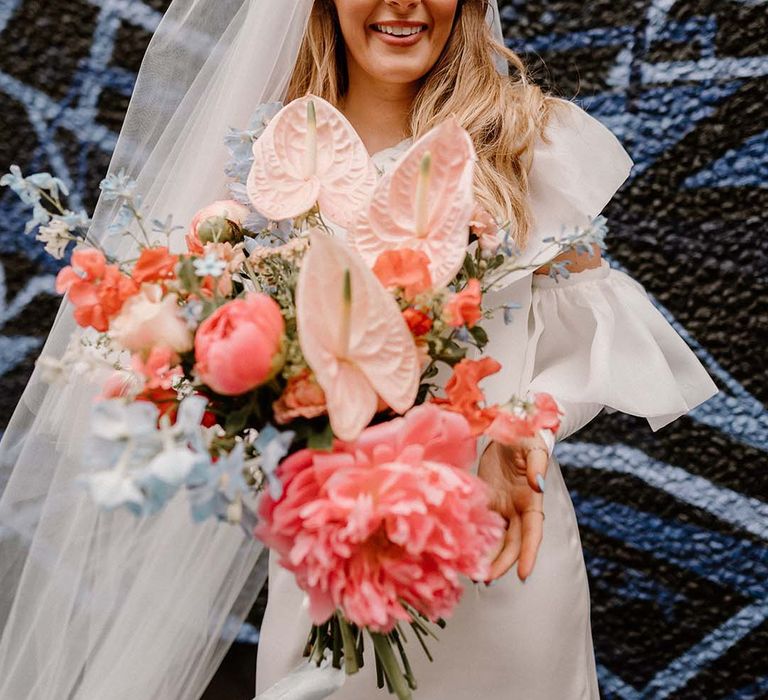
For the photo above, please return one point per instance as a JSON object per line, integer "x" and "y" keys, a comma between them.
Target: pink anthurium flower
{"x": 353, "y": 337}
{"x": 310, "y": 154}
{"x": 425, "y": 203}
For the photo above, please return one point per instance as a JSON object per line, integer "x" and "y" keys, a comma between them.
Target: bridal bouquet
{"x": 285, "y": 379}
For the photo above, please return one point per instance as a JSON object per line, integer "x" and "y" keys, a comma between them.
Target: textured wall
{"x": 675, "y": 523}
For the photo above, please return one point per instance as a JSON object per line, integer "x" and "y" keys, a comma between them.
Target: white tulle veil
{"x": 103, "y": 605}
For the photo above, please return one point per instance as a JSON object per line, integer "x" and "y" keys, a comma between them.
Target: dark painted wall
{"x": 674, "y": 524}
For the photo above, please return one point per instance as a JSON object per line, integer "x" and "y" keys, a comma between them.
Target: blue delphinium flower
{"x": 273, "y": 445}
{"x": 114, "y": 489}
{"x": 240, "y": 142}
{"x": 18, "y": 183}
{"x": 509, "y": 312}
{"x": 118, "y": 186}
{"x": 148, "y": 465}
{"x": 122, "y": 220}
{"x": 215, "y": 487}
{"x": 49, "y": 183}
{"x": 122, "y": 435}
{"x": 161, "y": 479}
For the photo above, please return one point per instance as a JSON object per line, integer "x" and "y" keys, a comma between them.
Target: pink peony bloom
{"x": 227, "y": 209}
{"x": 394, "y": 516}
{"x": 150, "y": 319}
{"x": 239, "y": 346}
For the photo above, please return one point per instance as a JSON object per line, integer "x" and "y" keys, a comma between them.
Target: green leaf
{"x": 480, "y": 336}
{"x": 430, "y": 372}
{"x": 187, "y": 275}
{"x": 470, "y": 269}
{"x": 237, "y": 420}
{"x": 321, "y": 440}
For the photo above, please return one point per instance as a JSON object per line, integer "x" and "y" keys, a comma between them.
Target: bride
{"x": 100, "y": 605}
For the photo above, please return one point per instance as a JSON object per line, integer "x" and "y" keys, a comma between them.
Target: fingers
{"x": 532, "y": 532}
{"x": 509, "y": 551}
{"x": 537, "y": 461}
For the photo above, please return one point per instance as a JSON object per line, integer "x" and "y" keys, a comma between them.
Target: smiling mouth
{"x": 399, "y": 31}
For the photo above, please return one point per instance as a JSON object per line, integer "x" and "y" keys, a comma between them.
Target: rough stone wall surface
{"x": 674, "y": 524}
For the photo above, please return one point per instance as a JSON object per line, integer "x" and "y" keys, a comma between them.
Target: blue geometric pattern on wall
{"x": 674, "y": 524}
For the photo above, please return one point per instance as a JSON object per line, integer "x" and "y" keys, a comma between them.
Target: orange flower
{"x": 463, "y": 308}
{"x": 464, "y": 394}
{"x": 97, "y": 290}
{"x": 507, "y": 428}
{"x": 406, "y": 268}
{"x": 155, "y": 265}
{"x": 418, "y": 321}
{"x": 547, "y": 413}
{"x": 302, "y": 397}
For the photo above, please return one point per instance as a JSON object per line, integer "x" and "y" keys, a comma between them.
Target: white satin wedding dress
{"x": 594, "y": 341}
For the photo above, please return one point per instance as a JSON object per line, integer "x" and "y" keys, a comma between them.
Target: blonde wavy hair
{"x": 503, "y": 115}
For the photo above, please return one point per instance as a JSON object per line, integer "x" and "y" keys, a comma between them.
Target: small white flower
{"x": 210, "y": 265}
{"x": 56, "y": 236}
{"x": 112, "y": 489}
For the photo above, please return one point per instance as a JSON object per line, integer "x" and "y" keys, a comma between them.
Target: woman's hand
{"x": 516, "y": 477}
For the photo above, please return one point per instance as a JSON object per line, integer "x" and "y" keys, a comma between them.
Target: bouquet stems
{"x": 344, "y": 640}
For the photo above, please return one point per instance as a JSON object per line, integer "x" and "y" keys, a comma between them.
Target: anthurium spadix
{"x": 353, "y": 336}
{"x": 310, "y": 154}
{"x": 424, "y": 203}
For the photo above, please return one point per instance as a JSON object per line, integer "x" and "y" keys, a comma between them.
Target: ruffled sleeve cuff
{"x": 595, "y": 337}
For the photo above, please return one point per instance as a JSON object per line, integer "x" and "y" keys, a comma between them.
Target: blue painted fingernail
{"x": 540, "y": 482}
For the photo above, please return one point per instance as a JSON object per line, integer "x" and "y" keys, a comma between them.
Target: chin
{"x": 398, "y": 70}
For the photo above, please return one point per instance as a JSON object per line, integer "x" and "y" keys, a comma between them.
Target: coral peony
{"x": 239, "y": 346}
{"x": 463, "y": 308}
{"x": 405, "y": 268}
{"x": 464, "y": 394}
{"x": 395, "y": 516}
{"x": 303, "y": 398}
{"x": 226, "y": 210}
{"x": 150, "y": 319}
{"x": 97, "y": 290}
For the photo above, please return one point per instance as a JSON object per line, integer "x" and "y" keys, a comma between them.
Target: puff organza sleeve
{"x": 595, "y": 339}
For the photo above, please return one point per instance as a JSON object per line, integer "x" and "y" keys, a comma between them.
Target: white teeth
{"x": 398, "y": 31}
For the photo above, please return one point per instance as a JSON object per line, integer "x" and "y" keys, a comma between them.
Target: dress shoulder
{"x": 577, "y": 166}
